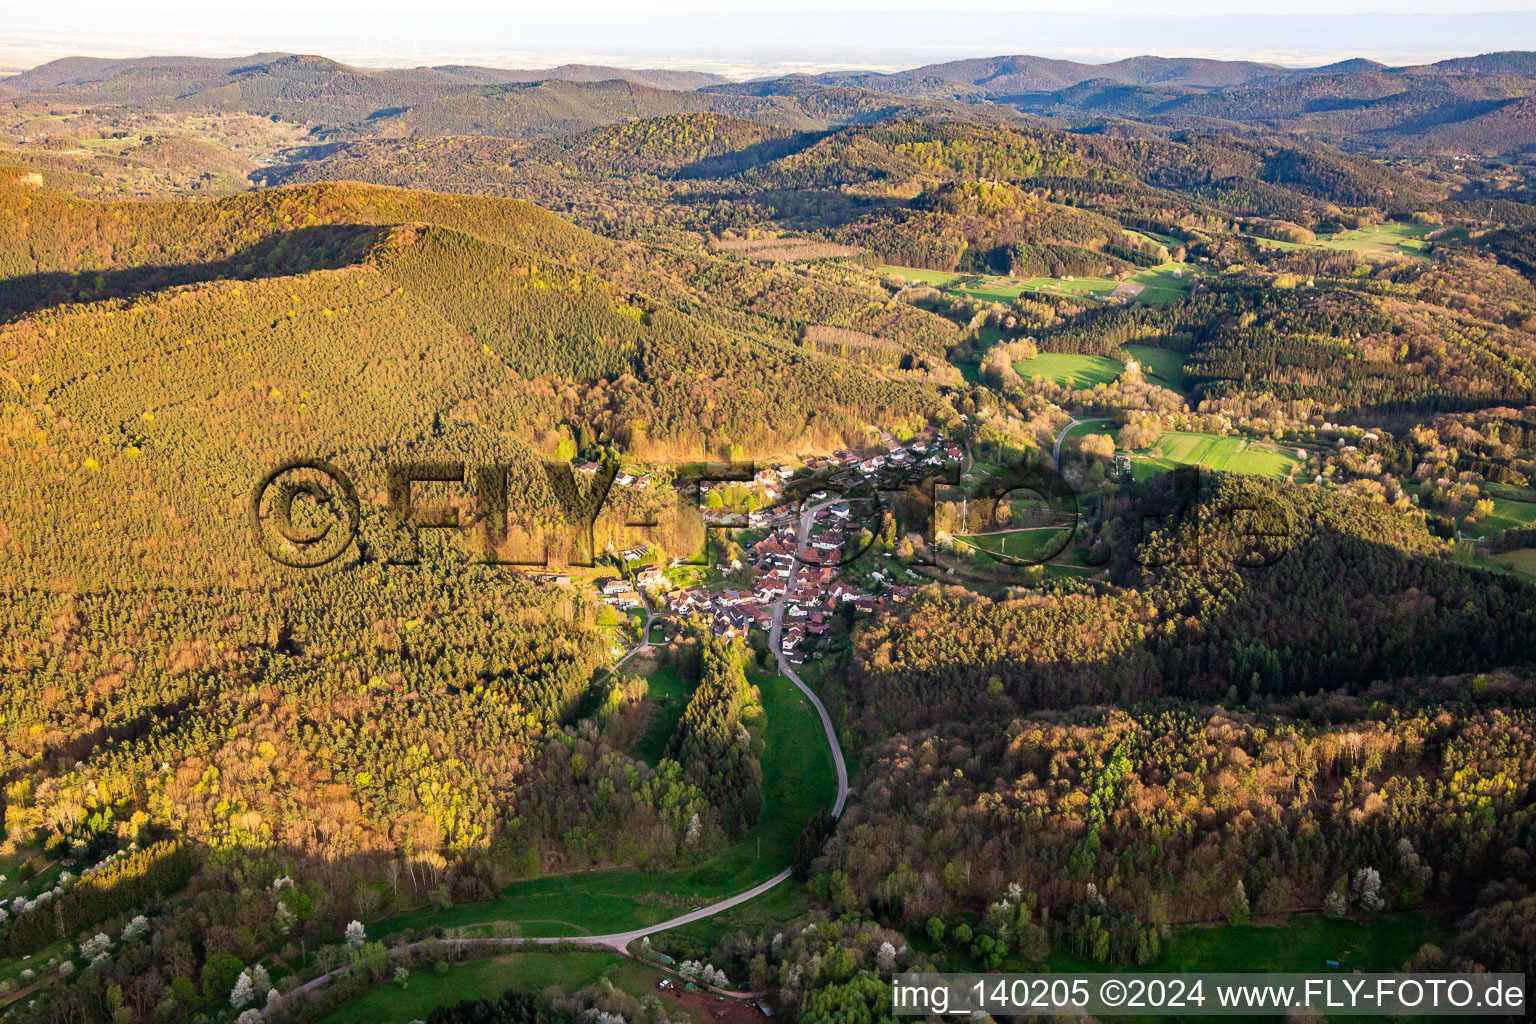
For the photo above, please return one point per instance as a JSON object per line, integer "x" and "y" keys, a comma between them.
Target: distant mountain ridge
{"x": 1474, "y": 105}
{"x": 207, "y": 72}
{"x": 1467, "y": 105}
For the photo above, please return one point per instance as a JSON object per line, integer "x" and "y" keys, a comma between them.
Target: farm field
{"x": 798, "y": 780}
{"x": 1153, "y": 236}
{"x": 475, "y": 979}
{"x": 1159, "y": 366}
{"x": 779, "y": 904}
{"x": 1070, "y": 370}
{"x": 1230, "y": 454}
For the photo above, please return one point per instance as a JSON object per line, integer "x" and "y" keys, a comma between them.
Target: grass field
{"x": 1520, "y": 562}
{"x": 1159, "y": 366}
{"x": 1507, "y": 515}
{"x": 1230, "y": 454}
{"x": 1167, "y": 283}
{"x": 797, "y": 781}
{"x": 779, "y": 904}
{"x": 1031, "y": 545}
{"x": 1391, "y": 237}
{"x": 1153, "y": 236}
{"x": 1070, "y": 370}
{"x": 1158, "y": 284}
{"x": 937, "y": 278}
{"x": 476, "y": 979}
{"x": 665, "y": 700}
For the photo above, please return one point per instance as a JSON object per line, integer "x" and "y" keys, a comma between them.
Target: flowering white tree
{"x": 356, "y": 936}
{"x": 885, "y": 959}
{"x": 136, "y": 929}
{"x": 244, "y": 993}
{"x": 96, "y": 945}
{"x": 1366, "y": 890}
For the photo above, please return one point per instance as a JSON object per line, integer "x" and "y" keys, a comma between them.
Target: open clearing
{"x": 1070, "y": 370}
{"x": 1029, "y": 545}
{"x": 1166, "y": 283}
{"x": 1520, "y": 562}
{"x": 937, "y": 278}
{"x": 1230, "y": 454}
{"x": 475, "y": 979}
{"x": 1507, "y": 515}
{"x": 1390, "y": 239}
{"x": 1159, "y": 366}
{"x": 661, "y": 710}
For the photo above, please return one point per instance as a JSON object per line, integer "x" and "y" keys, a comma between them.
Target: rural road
{"x": 619, "y": 941}
{"x": 1056, "y": 456}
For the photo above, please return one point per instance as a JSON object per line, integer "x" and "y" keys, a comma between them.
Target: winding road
{"x": 1056, "y": 456}
{"x": 619, "y": 942}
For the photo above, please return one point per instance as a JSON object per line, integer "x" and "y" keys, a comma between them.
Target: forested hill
{"x": 354, "y": 101}
{"x": 1466, "y": 105}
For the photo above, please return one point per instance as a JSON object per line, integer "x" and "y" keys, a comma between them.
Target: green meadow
{"x": 1070, "y": 370}
{"x": 1520, "y": 562}
{"x": 1159, "y": 366}
{"x": 1166, "y": 283}
{"x": 1031, "y": 545}
{"x": 937, "y": 278}
{"x": 664, "y": 703}
{"x": 1230, "y": 454}
{"x": 1508, "y": 514}
{"x": 425, "y": 991}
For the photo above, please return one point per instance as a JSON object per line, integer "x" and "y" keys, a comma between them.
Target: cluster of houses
{"x": 810, "y": 586}
{"x": 809, "y": 581}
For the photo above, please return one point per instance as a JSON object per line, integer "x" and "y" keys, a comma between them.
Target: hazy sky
{"x": 758, "y": 35}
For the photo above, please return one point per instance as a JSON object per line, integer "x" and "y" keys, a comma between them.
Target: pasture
{"x": 1520, "y": 562}
{"x": 1392, "y": 237}
{"x": 662, "y": 708}
{"x": 1070, "y": 370}
{"x": 1229, "y": 454}
{"x": 937, "y": 278}
{"x": 1159, "y": 366}
{"x": 1032, "y": 545}
{"x": 1508, "y": 514}
{"x": 425, "y": 991}
{"x": 1166, "y": 283}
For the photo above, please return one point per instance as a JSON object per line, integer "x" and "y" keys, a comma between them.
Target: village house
{"x": 609, "y": 585}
